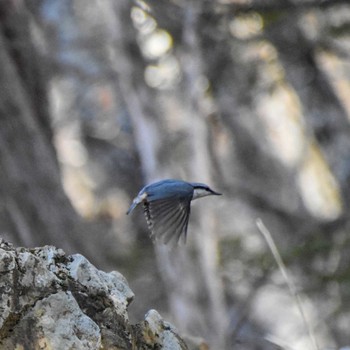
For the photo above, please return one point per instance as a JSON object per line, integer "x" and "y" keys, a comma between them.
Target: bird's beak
{"x": 216, "y": 193}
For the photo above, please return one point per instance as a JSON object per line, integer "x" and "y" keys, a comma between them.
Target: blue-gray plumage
{"x": 167, "y": 206}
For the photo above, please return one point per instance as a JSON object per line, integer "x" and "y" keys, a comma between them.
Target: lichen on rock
{"x": 49, "y": 300}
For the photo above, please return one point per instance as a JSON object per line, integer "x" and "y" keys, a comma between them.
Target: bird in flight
{"x": 167, "y": 206}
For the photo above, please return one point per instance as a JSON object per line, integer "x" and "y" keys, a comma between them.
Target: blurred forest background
{"x": 252, "y": 97}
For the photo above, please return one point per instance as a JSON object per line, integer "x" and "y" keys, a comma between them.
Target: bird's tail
{"x": 135, "y": 202}
{"x": 132, "y": 207}
{"x": 140, "y": 198}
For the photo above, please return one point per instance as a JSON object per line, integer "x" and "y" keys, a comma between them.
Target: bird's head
{"x": 202, "y": 190}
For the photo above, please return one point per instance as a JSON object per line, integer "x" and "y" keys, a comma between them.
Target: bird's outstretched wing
{"x": 168, "y": 218}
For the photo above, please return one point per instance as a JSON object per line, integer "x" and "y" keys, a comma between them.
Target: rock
{"x": 49, "y": 300}
{"x": 55, "y": 322}
{"x": 156, "y": 330}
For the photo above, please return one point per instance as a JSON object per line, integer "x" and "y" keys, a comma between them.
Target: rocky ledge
{"x": 49, "y": 300}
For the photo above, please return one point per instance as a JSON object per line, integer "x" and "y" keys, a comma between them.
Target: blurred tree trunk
{"x": 207, "y": 240}
{"x": 200, "y": 280}
{"x": 325, "y": 116}
{"x": 34, "y": 208}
